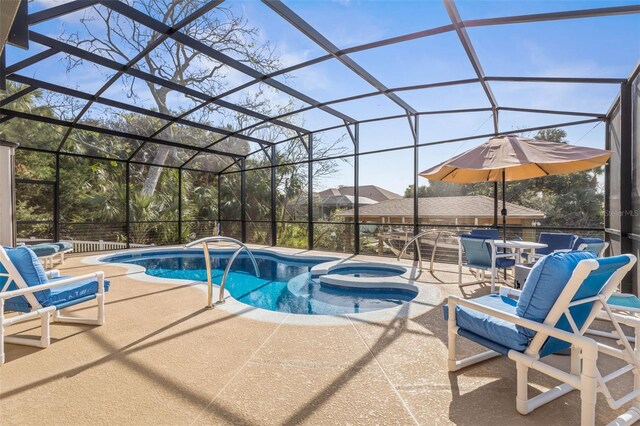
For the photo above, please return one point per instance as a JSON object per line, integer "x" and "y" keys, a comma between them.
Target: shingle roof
{"x": 369, "y": 191}
{"x": 463, "y": 206}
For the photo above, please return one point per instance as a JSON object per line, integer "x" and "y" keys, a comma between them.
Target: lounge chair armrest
{"x": 53, "y": 273}
{"x": 99, "y": 276}
{"x": 509, "y": 292}
{"x": 575, "y": 339}
{"x": 506, "y": 255}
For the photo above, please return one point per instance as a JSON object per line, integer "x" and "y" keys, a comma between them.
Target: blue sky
{"x": 594, "y": 47}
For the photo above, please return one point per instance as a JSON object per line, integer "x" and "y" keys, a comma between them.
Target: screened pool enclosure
{"x": 305, "y": 124}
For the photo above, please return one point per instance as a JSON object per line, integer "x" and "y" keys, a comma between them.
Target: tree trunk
{"x": 153, "y": 176}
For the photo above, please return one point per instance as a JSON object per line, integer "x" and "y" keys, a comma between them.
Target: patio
{"x": 183, "y": 364}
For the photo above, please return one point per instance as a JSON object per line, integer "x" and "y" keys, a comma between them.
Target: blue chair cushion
{"x": 545, "y": 282}
{"x": 586, "y": 240}
{"x": 44, "y": 249}
{"x": 555, "y": 241}
{"x": 63, "y": 245}
{"x": 478, "y": 257}
{"x": 624, "y": 301}
{"x": 591, "y": 286}
{"x": 492, "y": 329}
{"x": 492, "y": 233}
{"x": 66, "y": 295}
{"x": 32, "y": 272}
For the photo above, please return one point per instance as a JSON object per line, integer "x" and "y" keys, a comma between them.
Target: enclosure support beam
{"x": 50, "y": 120}
{"x": 127, "y": 195}
{"x": 452, "y": 10}
{"x": 626, "y": 176}
{"x": 56, "y": 202}
{"x": 133, "y": 61}
{"x": 313, "y": 34}
{"x": 37, "y": 84}
{"x": 416, "y": 165}
{"x": 179, "y": 206}
{"x": 310, "y": 192}
{"x": 274, "y": 227}
{"x": 356, "y": 190}
{"x": 243, "y": 201}
{"x": 218, "y": 186}
{"x": 212, "y": 53}
{"x": 61, "y": 10}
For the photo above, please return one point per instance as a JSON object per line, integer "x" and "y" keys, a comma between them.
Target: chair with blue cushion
{"x": 562, "y": 296}
{"x": 492, "y": 233}
{"x": 597, "y": 246}
{"x": 555, "y": 241}
{"x": 29, "y": 291}
{"x": 481, "y": 254}
{"x": 47, "y": 252}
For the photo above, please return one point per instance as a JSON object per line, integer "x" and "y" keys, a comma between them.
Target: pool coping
{"x": 428, "y": 295}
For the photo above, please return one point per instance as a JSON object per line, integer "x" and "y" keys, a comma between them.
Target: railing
{"x": 207, "y": 260}
{"x": 84, "y": 246}
{"x": 416, "y": 240}
{"x": 87, "y": 246}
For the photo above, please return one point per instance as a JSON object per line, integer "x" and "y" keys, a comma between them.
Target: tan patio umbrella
{"x": 509, "y": 158}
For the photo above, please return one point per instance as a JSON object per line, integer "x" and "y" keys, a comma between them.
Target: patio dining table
{"x": 518, "y": 246}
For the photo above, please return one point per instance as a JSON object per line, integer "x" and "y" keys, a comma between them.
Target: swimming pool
{"x": 285, "y": 283}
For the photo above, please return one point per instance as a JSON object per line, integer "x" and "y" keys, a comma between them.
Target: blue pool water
{"x": 365, "y": 271}
{"x": 284, "y": 285}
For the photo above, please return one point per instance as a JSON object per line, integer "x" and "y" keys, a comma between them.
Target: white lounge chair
{"x": 561, "y": 297}
{"x": 30, "y": 292}
{"x": 48, "y": 252}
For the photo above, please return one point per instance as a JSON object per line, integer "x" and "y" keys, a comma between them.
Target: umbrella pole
{"x": 495, "y": 204}
{"x": 504, "y": 207}
{"x": 504, "y": 214}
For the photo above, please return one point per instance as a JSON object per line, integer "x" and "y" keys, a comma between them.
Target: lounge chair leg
{"x": 522, "y": 395}
{"x": 1, "y": 331}
{"x": 100, "y": 299}
{"x": 588, "y": 384}
{"x": 575, "y": 360}
{"x": 45, "y": 335}
{"x": 451, "y": 343}
{"x": 460, "y": 266}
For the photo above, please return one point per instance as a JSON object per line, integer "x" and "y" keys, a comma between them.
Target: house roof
{"x": 368, "y": 191}
{"x": 462, "y": 206}
{"x": 344, "y": 200}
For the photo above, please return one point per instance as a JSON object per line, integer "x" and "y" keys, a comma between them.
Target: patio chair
{"x": 482, "y": 254}
{"x": 561, "y": 297}
{"x": 554, "y": 241}
{"x": 30, "y": 292}
{"x": 47, "y": 252}
{"x": 595, "y": 245}
{"x": 485, "y": 232}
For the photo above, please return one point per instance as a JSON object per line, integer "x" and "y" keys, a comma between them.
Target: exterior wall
{"x": 635, "y": 164}
{"x": 621, "y": 204}
{"x": 7, "y": 194}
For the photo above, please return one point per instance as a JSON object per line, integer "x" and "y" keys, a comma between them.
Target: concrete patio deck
{"x": 162, "y": 359}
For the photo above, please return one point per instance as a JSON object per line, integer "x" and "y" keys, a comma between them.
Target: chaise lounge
{"x": 47, "y": 252}
{"x": 562, "y": 296}
{"x": 28, "y": 291}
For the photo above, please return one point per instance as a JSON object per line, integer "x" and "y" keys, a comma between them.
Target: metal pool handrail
{"x": 433, "y": 252}
{"x": 207, "y": 260}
